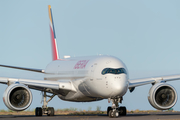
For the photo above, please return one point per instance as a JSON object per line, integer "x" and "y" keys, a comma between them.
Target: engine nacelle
{"x": 17, "y": 97}
{"x": 162, "y": 96}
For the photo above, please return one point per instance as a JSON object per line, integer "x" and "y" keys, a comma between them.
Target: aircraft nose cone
{"x": 119, "y": 87}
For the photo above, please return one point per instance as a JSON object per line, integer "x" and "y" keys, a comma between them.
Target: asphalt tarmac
{"x": 141, "y": 116}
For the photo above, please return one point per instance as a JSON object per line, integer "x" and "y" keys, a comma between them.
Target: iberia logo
{"x": 81, "y": 64}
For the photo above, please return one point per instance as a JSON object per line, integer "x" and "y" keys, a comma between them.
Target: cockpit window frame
{"x": 114, "y": 71}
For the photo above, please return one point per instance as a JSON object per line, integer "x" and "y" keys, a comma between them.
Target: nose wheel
{"x": 113, "y": 114}
{"x": 122, "y": 111}
{"x": 116, "y": 111}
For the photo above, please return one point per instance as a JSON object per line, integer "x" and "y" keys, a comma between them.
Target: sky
{"x": 143, "y": 34}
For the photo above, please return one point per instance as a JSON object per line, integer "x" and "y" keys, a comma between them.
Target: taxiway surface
{"x": 141, "y": 116}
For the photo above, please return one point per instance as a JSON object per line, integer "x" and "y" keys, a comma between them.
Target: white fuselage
{"x": 85, "y": 73}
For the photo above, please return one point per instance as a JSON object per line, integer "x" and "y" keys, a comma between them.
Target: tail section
{"x": 53, "y": 36}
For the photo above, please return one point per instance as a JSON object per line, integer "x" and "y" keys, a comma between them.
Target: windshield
{"x": 113, "y": 71}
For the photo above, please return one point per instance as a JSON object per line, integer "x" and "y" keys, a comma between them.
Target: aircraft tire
{"x": 38, "y": 111}
{"x": 111, "y": 113}
{"x": 122, "y": 111}
{"x": 108, "y": 109}
{"x": 115, "y": 114}
{"x": 50, "y": 111}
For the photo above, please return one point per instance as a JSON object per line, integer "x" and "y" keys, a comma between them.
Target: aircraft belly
{"x": 82, "y": 94}
{"x": 78, "y": 97}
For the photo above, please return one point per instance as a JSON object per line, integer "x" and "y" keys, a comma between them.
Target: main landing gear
{"x": 45, "y": 110}
{"x": 116, "y": 111}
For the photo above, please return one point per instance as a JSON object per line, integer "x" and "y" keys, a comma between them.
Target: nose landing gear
{"x": 116, "y": 111}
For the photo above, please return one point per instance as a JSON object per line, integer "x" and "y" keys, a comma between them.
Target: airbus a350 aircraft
{"x": 85, "y": 79}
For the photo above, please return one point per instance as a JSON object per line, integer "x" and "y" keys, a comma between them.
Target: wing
{"x": 152, "y": 80}
{"x": 56, "y": 87}
{"x": 22, "y": 68}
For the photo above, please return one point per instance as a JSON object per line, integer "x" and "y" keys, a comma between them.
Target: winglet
{"x": 53, "y": 36}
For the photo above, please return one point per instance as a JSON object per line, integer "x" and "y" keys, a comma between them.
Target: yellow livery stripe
{"x": 50, "y": 16}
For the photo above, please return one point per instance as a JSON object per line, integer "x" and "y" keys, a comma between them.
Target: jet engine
{"x": 17, "y": 97}
{"x": 162, "y": 96}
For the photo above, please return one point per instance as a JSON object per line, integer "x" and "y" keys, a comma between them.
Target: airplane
{"x": 84, "y": 79}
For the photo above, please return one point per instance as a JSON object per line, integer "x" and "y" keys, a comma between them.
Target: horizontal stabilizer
{"x": 22, "y": 68}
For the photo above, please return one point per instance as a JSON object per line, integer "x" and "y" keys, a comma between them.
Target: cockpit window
{"x": 114, "y": 71}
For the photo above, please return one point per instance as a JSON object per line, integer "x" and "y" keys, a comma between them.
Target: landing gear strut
{"x": 45, "y": 110}
{"x": 116, "y": 111}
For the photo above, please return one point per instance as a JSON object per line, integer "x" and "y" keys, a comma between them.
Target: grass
{"x": 98, "y": 108}
{"x": 149, "y": 111}
{"x": 75, "y": 111}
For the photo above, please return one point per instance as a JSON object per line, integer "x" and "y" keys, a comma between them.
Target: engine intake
{"x": 17, "y": 97}
{"x": 162, "y": 96}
